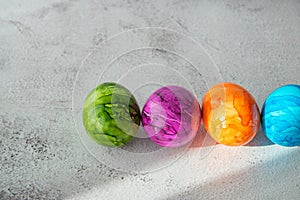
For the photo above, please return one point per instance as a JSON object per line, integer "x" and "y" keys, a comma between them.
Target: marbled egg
{"x": 171, "y": 116}
{"x": 230, "y": 114}
{"x": 281, "y": 116}
{"x": 111, "y": 115}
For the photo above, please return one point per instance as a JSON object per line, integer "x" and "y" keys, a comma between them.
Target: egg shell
{"x": 171, "y": 116}
{"x": 281, "y": 116}
{"x": 111, "y": 115}
{"x": 230, "y": 114}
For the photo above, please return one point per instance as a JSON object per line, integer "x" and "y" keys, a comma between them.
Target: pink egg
{"x": 171, "y": 116}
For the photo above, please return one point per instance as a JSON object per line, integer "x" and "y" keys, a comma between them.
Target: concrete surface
{"x": 44, "y": 44}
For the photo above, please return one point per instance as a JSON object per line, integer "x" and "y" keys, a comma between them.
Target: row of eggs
{"x": 171, "y": 117}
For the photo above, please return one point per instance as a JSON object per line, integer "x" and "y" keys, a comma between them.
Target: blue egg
{"x": 280, "y": 116}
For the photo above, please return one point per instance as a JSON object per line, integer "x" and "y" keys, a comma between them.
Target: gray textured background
{"x": 42, "y": 45}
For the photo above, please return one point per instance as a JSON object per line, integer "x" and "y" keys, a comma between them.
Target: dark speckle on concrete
{"x": 161, "y": 50}
{"x": 255, "y": 10}
{"x": 61, "y": 7}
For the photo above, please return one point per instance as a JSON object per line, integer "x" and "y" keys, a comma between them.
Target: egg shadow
{"x": 202, "y": 139}
{"x": 260, "y": 140}
{"x": 145, "y": 156}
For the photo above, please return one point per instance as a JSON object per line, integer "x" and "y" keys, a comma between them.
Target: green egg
{"x": 111, "y": 115}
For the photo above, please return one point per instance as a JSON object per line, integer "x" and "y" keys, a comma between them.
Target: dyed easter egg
{"x": 111, "y": 115}
{"x": 280, "y": 116}
{"x": 230, "y": 114}
{"x": 171, "y": 116}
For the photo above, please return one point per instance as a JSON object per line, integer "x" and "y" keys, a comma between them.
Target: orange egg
{"x": 230, "y": 114}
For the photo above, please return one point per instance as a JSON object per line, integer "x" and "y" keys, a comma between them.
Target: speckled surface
{"x": 42, "y": 45}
